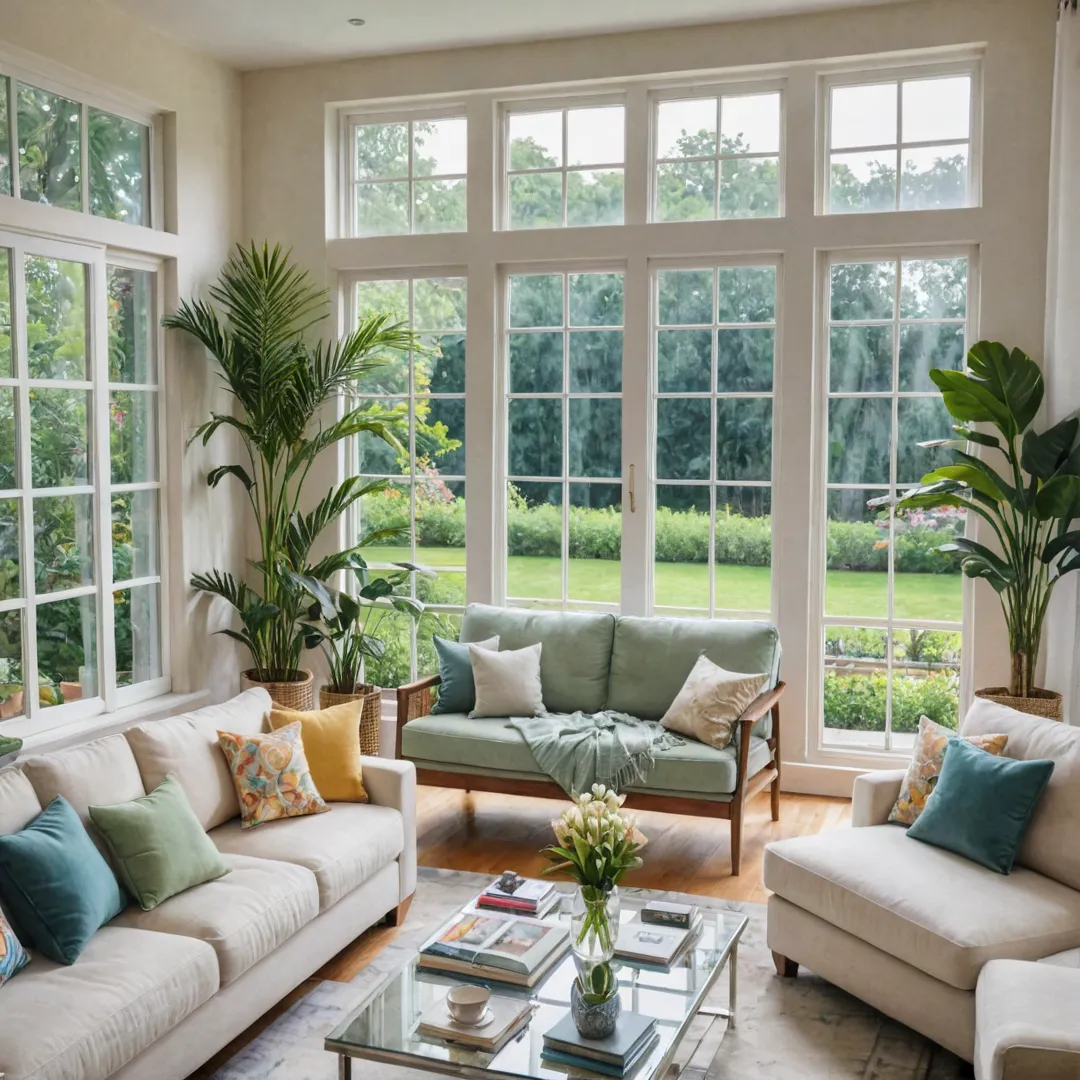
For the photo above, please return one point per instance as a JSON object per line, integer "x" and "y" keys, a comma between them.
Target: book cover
{"x": 650, "y": 942}
{"x": 499, "y": 940}
{"x": 632, "y": 1031}
{"x": 471, "y": 970}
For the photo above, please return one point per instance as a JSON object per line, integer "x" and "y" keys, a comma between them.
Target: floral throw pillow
{"x": 271, "y": 775}
{"x": 13, "y": 957}
{"x": 926, "y": 759}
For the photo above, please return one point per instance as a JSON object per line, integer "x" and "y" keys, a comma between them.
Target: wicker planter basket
{"x": 1045, "y": 703}
{"x": 298, "y": 695}
{"x": 370, "y": 716}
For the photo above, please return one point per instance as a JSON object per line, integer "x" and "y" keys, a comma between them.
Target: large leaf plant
{"x": 261, "y": 325}
{"x": 1031, "y": 506}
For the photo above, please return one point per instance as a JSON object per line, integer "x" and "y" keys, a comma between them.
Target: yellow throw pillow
{"x": 332, "y": 742}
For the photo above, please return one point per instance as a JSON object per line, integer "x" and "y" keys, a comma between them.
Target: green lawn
{"x": 739, "y": 588}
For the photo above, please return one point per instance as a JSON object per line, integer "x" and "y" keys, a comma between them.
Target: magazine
{"x": 513, "y": 943}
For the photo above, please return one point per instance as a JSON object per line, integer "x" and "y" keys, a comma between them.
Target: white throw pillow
{"x": 711, "y": 701}
{"x": 507, "y": 683}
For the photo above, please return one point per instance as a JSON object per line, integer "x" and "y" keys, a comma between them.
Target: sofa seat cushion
{"x": 126, "y": 990}
{"x": 342, "y": 849}
{"x": 458, "y": 741}
{"x": 245, "y": 915}
{"x": 935, "y": 910}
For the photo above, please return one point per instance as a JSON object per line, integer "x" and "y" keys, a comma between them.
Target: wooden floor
{"x": 491, "y": 833}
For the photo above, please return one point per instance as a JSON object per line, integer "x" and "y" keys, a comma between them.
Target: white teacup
{"x": 467, "y": 1002}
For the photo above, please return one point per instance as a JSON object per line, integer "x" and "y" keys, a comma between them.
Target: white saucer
{"x": 485, "y": 1018}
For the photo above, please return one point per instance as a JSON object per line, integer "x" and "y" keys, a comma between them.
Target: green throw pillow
{"x": 457, "y": 688}
{"x": 157, "y": 844}
{"x": 55, "y": 885}
{"x": 981, "y": 805}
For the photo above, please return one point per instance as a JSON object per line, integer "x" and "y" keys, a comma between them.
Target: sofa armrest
{"x": 874, "y": 796}
{"x": 393, "y": 783}
{"x": 413, "y": 701}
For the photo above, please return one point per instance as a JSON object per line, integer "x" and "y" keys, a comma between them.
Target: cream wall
{"x": 290, "y": 167}
{"x": 104, "y": 50}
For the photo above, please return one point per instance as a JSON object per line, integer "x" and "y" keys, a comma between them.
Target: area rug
{"x": 788, "y": 1029}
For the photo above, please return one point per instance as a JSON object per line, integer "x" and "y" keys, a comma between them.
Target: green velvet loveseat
{"x": 634, "y": 665}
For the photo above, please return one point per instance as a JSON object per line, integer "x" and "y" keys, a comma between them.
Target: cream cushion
{"x": 711, "y": 701}
{"x": 187, "y": 747}
{"x": 243, "y": 916}
{"x": 507, "y": 683}
{"x": 1050, "y": 843}
{"x": 128, "y": 989}
{"x": 342, "y": 849}
{"x": 939, "y": 912}
{"x": 19, "y": 803}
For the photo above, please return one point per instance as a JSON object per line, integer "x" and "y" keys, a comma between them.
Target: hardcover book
{"x": 508, "y": 1016}
{"x": 632, "y": 1033}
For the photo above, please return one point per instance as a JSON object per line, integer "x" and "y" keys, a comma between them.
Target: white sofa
{"x": 156, "y": 993}
{"x": 908, "y": 928}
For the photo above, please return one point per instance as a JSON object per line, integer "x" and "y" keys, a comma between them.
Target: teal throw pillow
{"x": 981, "y": 805}
{"x": 457, "y": 689}
{"x": 157, "y": 844}
{"x": 55, "y": 884}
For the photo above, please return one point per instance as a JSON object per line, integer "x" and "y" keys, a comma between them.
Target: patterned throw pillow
{"x": 711, "y": 701}
{"x": 922, "y": 775}
{"x": 271, "y": 775}
{"x": 13, "y": 957}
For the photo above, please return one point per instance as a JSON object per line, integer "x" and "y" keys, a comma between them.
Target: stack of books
{"x": 655, "y": 944}
{"x": 505, "y": 1017}
{"x": 532, "y": 897}
{"x": 491, "y": 945}
{"x": 617, "y": 1055}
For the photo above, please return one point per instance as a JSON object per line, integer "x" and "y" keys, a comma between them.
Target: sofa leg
{"x": 396, "y": 916}
{"x": 774, "y": 799}
{"x": 785, "y": 968}
{"x": 736, "y": 836}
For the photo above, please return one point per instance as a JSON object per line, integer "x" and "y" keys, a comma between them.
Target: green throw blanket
{"x": 583, "y": 749}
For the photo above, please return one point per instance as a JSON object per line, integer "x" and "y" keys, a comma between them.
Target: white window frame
{"x": 350, "y": 122}
{"x": 563, "y": 104}
{"x": 719, "y": 90}
{"x": 875, "y": 76}
{"x": 656, "y": 266}
{"x": 37, "y": 718}
{"x": 822, "y": 396}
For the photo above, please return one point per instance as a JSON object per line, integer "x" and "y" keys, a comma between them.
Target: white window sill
{"x": 95, "y": 727}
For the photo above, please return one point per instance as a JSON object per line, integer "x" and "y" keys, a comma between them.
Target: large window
{"x": 893, "y": 602}
{"x": 564, "y": 348}
{"x": 80, "y": 570}
{"x": 715, "y": 348}
{"x": 425, "y": 493}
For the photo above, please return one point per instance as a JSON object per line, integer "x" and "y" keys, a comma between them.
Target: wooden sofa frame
{"x": 414, "y": 701}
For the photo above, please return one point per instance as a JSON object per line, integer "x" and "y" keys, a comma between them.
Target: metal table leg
{"x": 344, "y": 1067}
{"x": 733, "y": 984}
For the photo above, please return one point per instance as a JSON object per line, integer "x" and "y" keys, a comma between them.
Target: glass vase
{"x": 594, "y": 925}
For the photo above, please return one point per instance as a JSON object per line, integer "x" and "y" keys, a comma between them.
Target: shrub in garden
{"x": 858, "y": 702}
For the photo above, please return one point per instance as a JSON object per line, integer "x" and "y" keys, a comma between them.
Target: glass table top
{"x": 383, "y": 1028}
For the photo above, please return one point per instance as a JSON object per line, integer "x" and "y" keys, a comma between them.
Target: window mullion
{"x": 84, "y": 155}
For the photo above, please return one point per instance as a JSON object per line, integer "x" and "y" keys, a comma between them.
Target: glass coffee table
{"x": 383, "y": 1028}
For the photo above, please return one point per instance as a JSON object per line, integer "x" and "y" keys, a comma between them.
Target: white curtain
{"x": 1061, "y": 640}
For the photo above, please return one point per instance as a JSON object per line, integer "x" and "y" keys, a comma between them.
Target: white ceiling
{"x": 263, "y": 33}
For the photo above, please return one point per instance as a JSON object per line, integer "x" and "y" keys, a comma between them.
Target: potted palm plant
{"x": 1031, "y": 506}
{"x": 261, "y": 328}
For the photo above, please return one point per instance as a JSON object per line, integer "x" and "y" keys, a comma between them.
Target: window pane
{"x": 10, "y": 551}
{"x": 862, "y": 182}
{"x": 49, "y": 148}
{"x": 536, "y": 300}
{"x": 684, "y": 358}
{"x": 534, "y": 540}
{"x": 137, "y": 634}
{"x": 535, "y": 437}
{"x": 132, "y": 329}
{"x": 12, "y": 697}
{"x": 747, "y": 294}
{"x": 863, "y": 115}
{"x": 859, "y": 438}
{"x": 440, "y": 539}
{"x": 56, "y": 328}
{"x": 862, "y": 291}
{"x": 389, "y": 507}
{"x": 5, "y": 143}
{"x": 6, "y": 359}
{"x": 860, "y": 359}
{"x": 389, "y": 370}
{"x": 928, "y": 584}
{"x": 686, "y": 128}
{"x": 934, "y": 178}
{"x": 382, "y": 151}
{"x": 857, "y": 555}
{"x": 595, "y": 437}
{"x": 439, "y": 147}
{"x": 686, "y": 191}
{"x": 59, "y": 437}
{"x": 743, "y": 549}
{"x": 535, "y": 200}
{"x": 439, "y": 303}
{"x": 133, "y": 436}
{"x": 681, "y": 571}
{"x": 536, "y": 363}
{"x": 535, "y": 140}
{"x": 856, "y": 686}
{"x": 63, "y": 542}
{"x": 594, "y": 197}
{"x": 596, "y": 299}
{"x": 594, "y": 570}
{"x": 744, "y": 360}
{"x": 135, "y": 528}
{"x": 9, "y": 476}
{"x": 926, "y": 678}
{"x": 750, "y": 123}
{"x": 440, "y": 436}
{"x": 744, "y": 439}
{"x": 933, "y": 289}
{"x": 929, "y": 345}
{"x": 67, "y": 650}
{"x": 920, "y": 420}
{"x": 683, "y": 438}
{"x": 382, "y": 209}
{"x": 447, "y": 363}
{"x": 595, "y": 136}
{"x": 439, "y": 206}
{"x": 375, "y": 456}
{"x": 686, "y": 297}
{"x": 937, "y": 109}
{"x": 596, "y": 361}
{"x": 119, "y": 166}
